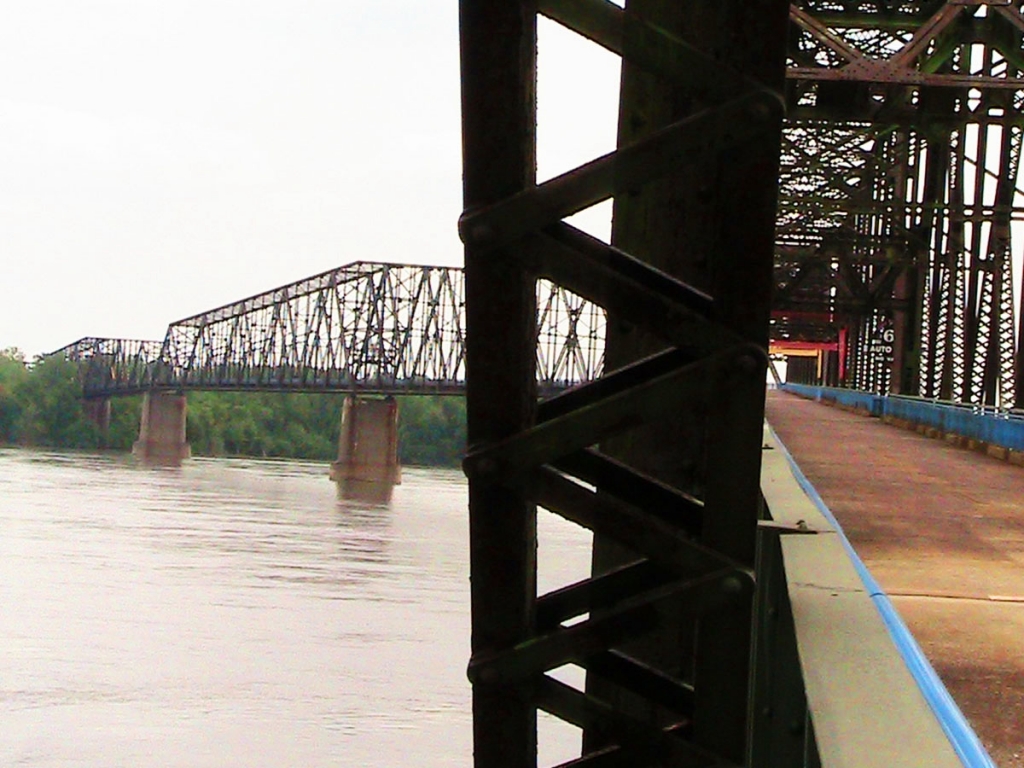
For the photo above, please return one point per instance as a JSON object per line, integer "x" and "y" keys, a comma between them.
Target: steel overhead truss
{"x": 660, "y": 455}
{"x": 843, "y": 246}
{"x": 365, "y": 327}
{"x": 899, "y": 187}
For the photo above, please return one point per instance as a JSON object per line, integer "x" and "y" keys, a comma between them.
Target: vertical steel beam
{"x": 713, "y": 227}
{"x": 647, "y": 223}
{"x": 748, "y": 35}
{"x": 498, "y": 44}
{"x": 934, "y": 222}
{"x": 950, "y": 291}
{"x": 907, "y": 286}
{"x": 695, "y": 181}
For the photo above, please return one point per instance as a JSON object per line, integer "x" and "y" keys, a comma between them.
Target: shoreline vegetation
{"x": 40, "y": 406}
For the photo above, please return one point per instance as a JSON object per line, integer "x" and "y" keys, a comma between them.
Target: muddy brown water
{"x": 238, "y": 613}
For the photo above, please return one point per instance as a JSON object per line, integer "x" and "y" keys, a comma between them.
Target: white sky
{"x": 158, "y": 159}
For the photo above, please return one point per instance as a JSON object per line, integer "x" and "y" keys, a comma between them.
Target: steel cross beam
{"x": 660, "y": 455}
{"x": 899, "y": 186}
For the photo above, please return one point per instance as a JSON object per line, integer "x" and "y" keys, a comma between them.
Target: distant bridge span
{"x": 373, "y": 328}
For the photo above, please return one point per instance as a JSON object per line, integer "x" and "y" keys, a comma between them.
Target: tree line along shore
{"x": 40, "y": 405}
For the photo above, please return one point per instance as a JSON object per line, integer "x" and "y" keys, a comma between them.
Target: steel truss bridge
{"x": 365, "y": 327}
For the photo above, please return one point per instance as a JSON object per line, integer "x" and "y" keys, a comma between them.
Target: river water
{"x": 238, "y": 613}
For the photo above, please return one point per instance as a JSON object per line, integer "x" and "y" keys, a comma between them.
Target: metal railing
{"x": 863, "y": 693}
{"x": 993, "y": 427}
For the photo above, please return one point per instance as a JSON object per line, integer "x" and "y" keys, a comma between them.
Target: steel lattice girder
{"x": 381, "y": 327}
{"x": 899, "y": 186}
{"x": 368, "y": 327}
{"x": 106, "y": 365}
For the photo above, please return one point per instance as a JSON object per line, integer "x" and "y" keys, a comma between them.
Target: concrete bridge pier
{"x": 368, "y": 444}
{"x": 162, "y": 429}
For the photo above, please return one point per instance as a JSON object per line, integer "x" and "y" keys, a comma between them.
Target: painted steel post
{"x": 687, "y": 226}
{"x": 498, "y": 59}
{"x": 780, "y": 734}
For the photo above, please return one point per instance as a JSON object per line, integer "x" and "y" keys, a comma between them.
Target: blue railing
{"x": 986, "y": 425}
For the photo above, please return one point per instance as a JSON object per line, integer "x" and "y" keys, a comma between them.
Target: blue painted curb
{"x": 959, "y": 732}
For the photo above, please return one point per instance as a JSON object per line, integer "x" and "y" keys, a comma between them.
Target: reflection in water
{"x": 233, "y": 613}
{"x": 365, "y": 491}
{"x": 157, "y": 461}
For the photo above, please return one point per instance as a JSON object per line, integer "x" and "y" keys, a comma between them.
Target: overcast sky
{"x": 158, "y": 159}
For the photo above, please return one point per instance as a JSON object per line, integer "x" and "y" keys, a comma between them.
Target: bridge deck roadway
{"x": 942, "y": 530}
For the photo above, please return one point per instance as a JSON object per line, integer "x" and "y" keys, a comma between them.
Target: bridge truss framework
{"x": 901, "y": 195}
{"x": 365, "y": 327}
{"x": 659, "y": 456}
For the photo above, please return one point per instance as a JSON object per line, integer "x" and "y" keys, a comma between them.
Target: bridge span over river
{"x": 363, "y": 329}
{"x": 371, "y": 328}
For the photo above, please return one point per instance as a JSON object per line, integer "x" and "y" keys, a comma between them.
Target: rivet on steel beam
{"x": 480, "y": 233}
{"x": 750, "y": 358}
{"x": 485, "y": 675}
{"x": 731, "y": 585}
{"x": 474, "y": 233}
{"x": 481, "y": 467}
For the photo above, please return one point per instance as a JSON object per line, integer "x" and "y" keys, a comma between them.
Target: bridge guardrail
{"x": 993, "y": 410}
{"x": 1002, "y": 428}
{"x": 872, "y": 698}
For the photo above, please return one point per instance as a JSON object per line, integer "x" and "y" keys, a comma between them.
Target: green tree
{"x": 125, "y": 413}
{"x": 51, "y": 410}
{"x": 40, "y": 404}
{"x": 431, "y": 430}
{"x": 13, "y": 373}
